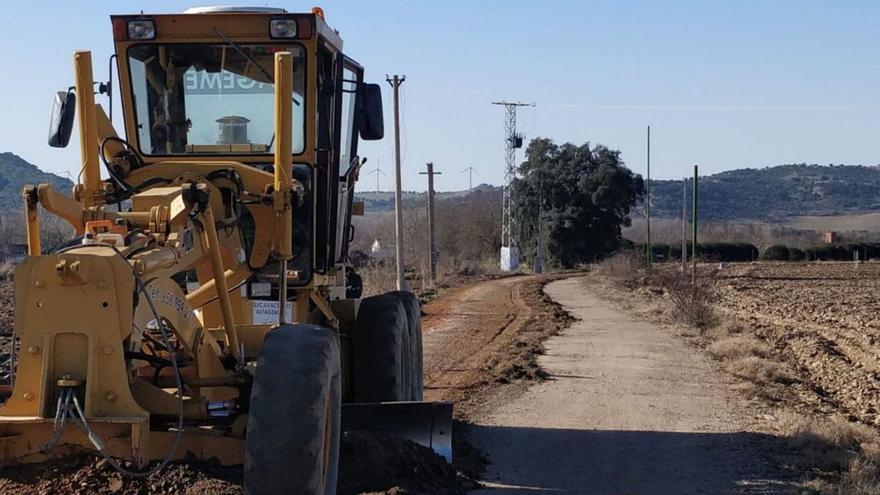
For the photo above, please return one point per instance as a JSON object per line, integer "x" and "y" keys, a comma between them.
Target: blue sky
{"x": 722, "y": 84}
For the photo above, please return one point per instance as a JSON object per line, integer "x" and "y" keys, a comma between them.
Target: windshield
{"x": 211, "y": 98}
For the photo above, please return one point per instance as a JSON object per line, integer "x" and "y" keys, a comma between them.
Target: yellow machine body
{"x": 193, "y": 238}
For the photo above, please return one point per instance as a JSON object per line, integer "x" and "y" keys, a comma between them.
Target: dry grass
{"x": 691, "y": 299}
{"x": 622, "y": 266}
{"x": 843, "y": 458}
{"x": 845, "y": 455}
{"x": 725, "y": 328}
{"x": 378, "y": 278}
{"x": 760, "y": 370}
{"x": 738, "y": 346}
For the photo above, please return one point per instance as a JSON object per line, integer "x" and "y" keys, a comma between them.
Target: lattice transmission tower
{"x": 512, "y": 142}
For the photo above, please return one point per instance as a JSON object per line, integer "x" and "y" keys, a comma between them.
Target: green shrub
{"x": 660, "y": 252}
{"x": 796, "y": 254}
{"x": 727, "y": 251}
{"x": 843, "y": 252}
{"x": 776, "y": 252}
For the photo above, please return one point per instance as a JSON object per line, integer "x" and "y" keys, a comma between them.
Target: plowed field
{"x": 824, "y": 319}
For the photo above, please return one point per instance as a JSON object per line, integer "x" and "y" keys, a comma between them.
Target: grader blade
{"x": 425, "y": 423}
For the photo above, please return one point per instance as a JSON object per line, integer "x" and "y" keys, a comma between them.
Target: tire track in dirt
{"x": 464, "y": 330}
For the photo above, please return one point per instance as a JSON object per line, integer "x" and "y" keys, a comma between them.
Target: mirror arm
{"x": 65, "y": 207}
{"x": 110, "y": 86}
{"x": 106, "y": 130}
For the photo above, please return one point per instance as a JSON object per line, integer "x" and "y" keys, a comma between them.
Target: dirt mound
{"x": 7, "y": 309}
{"x": 372, "y": 462}
{"x": 369, "y": 463}
{"x": 481, "y": 338}
{"x": 89, "y": 473}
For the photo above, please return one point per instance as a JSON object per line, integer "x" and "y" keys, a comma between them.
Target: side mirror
{"x": 61, "y": 123}
{"x": 371, "y": 123}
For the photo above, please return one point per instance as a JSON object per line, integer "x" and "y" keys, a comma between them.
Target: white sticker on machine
{"x": 266, "y": 312}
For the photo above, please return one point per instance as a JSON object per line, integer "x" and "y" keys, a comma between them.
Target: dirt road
{"x": 463, "y": 329}
{"x": 629, "y": 409}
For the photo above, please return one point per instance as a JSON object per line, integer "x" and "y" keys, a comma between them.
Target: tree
{"x": 586, "y": 195}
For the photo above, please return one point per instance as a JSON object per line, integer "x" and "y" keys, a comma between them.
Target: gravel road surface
{"x": 628, "y": 409}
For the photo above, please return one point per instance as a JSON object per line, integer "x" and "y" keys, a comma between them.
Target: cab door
{"x": 349, "y": 162}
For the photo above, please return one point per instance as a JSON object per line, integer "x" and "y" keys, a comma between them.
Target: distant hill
{"x": 380, "y": 201}
{"x": 773, "y": 193}
{"x": 16, "y": 172}
{"x": 776, "y": 193}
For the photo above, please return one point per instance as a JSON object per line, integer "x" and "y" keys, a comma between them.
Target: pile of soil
{"x": 481, "y": 342}
{"x": 376, "y": 463}
{"x": 369, "y": 463}
{"x": 7, "y": 310}
{"x": 90, "y": 473}
{"x": 548, "y": 318}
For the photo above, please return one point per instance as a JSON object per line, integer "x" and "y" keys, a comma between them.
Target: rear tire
{"x": 293, "y": 429}
{"x": 382, "y": 359}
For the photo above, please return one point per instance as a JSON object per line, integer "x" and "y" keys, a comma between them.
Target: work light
{"x": 282, "y": 28}
{"x": 141, "y": 29}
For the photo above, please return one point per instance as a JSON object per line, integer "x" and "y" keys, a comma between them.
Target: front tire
{"x": 293, "y": 429}
{"x": 414, "y": 318}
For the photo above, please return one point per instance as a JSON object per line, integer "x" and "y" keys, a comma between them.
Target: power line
{"x": 721, "y": 108}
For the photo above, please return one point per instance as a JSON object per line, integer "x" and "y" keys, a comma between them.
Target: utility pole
{"x": 470, "y": 171}
{"x": 432, "y": 246}
{"x": 512, "y": 141}
{"x": 694, "y": 220}
{"x": 378, "y": 172}
{"x": 649, "y": 254}
{"x": 395, "y": 83}
{"x": 539, "y": 249}
{"x": 684, "y": 223}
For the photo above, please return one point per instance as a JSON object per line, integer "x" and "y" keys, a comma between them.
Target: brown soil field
{"x": 821, "y": 318}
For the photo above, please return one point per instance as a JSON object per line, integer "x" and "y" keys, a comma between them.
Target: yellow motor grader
{"x": 205, "y": 307}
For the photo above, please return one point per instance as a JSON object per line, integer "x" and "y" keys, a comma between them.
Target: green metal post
{"x": 694, "y": 222}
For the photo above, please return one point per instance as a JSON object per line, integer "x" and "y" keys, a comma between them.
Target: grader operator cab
{"x": 204, "y": 307}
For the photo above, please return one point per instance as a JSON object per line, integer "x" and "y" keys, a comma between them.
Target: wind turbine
{"x": 378, "y": 172}
{"x": 470, "y": 170}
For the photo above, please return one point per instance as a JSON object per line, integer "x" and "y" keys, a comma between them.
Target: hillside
{"x": 16, "y": 172}
{"x": 380, "y": 201}
{"x": 773, "y": 193}
{"x": 776, "y": 193}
